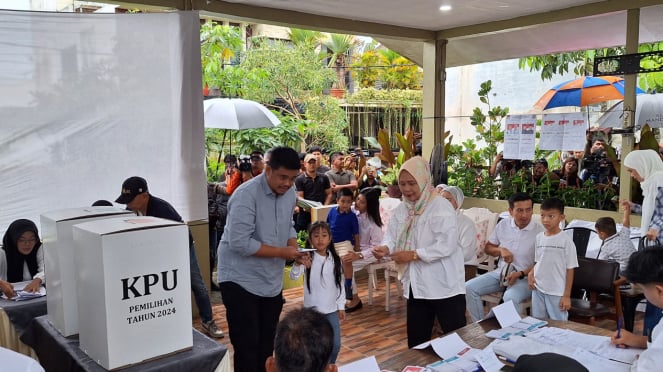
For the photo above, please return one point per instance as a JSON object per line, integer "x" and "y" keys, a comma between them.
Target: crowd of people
{"x": 433, "y": 246}
{"x": 593, "y": 166}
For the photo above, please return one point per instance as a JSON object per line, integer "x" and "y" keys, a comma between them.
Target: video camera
{"x": 598, "y": 167}
{"x": 244, "y": 163}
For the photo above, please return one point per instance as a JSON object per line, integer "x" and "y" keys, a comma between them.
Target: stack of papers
{"x": 22, "y": 295}
{"x": 308, "y": 204}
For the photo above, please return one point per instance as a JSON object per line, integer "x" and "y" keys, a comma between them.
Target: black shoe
{"x": 358, "y": 306}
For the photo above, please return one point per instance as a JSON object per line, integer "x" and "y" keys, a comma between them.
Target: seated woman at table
{"x": 422, "y": 239}
{"x": 21, "y": 257}
{"x": 645, "y": 268}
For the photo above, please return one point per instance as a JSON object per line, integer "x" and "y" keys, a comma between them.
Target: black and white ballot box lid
{"x": 59, "y": 270}
{"x": 134, "y": 289}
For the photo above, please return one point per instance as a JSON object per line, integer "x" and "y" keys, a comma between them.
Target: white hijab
{"x": 649, "y": 166}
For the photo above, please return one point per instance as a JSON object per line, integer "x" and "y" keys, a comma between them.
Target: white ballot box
{"x": 59, "y": 268}
{"x": 134, "y": 289}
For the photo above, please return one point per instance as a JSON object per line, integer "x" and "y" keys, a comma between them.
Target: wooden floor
{"x": 369, "y": 331}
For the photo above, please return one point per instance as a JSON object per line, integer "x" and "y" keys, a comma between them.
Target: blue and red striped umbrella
{"x": 584, "y": 91}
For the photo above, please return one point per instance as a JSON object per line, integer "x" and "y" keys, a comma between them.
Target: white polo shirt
{"x": 519, "y": 241}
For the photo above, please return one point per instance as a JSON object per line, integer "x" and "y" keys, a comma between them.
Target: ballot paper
{"x": 456, "y": 354}
{"x": 488, "y": 360}
{"x": 368, "y": 364}
{"x": 593, "y": 352}
{"x": 519, "y": 328}
{"x": 21, "y": 295}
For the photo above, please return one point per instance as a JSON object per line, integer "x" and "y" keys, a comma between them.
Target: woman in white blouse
{"x": 422, "y": 238}
{"x": 21, "y": 257}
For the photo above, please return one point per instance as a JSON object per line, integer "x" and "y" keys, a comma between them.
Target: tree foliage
{"x": 289, "y": 73}
{"x": 489, "y": 124}
{"x": 340, "y": 46}
{"x": 380, "y": 64}
{"x": 582, "y": 63}
{"x": 219, "y": 44}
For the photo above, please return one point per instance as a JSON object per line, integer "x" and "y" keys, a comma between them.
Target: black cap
{"x": 131, "y": 187}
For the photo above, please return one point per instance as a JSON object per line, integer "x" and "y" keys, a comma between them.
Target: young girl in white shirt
{"x": 323, "y": 281}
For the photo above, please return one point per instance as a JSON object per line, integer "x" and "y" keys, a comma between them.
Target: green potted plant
{"x": 406, "y": 143}
{"x": 340, "y": 47}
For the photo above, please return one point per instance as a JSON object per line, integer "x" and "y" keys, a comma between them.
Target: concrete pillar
{"x": 433, "y": 111}
{"x": 630, "y": 82}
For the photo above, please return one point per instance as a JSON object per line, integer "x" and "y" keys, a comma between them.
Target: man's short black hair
{"x": 646, "y": 266}
{"x": 284, "y": 157}
{"x": 542, "y": 161}
{"x": 230, "y": 158}
{"x": 257, "y": 153}
{"x": 556, "y": 204}
{"x": 518, "y": 197}
{"x": 304, "y": 341}
{"x": 344, "y": 192}
{"x": 313, "y": 149}
{"x": 334, "y": 155}
{"x": 606, "y": 225}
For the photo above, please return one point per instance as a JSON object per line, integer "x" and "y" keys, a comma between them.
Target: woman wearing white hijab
{"x": 467, "y": 229}
{"x": 646, "y": 167}
{"x": 422, "y": 238}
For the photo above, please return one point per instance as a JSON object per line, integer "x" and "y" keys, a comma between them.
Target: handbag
{"x": 645, "y": 243}
{"x": 504, "y": 275}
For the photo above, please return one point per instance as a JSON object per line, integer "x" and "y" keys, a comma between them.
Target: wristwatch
{"x": 522, "y": 275}
{"x": 361, "y": 256}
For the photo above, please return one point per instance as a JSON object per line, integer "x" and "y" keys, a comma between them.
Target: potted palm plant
{"x": 340, "y": 47}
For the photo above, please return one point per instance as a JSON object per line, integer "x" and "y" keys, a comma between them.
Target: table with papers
{"x": 474, "y": 334}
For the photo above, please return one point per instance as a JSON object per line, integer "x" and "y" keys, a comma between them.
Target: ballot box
{"x": 59, "y": 269}
{"x": 134, "y": 289}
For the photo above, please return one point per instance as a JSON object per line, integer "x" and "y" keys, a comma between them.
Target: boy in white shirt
{"x": 555, "y": 260}
{"x": 645, "y": 268}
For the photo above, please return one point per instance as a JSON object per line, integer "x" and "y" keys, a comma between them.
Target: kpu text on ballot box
{"x": 59, "y": 267}
{"x": 134, "y": 289}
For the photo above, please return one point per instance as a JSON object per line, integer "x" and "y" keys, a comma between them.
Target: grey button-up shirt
{"x": 256, "y": 215}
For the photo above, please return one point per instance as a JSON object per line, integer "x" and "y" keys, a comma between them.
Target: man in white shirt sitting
{"x": 513, "y": 241}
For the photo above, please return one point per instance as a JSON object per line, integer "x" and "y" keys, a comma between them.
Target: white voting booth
{"x": 59, "y": 266}
{"x": 134, "y": 289}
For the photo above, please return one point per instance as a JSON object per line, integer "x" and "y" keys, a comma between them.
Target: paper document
{"x": 599, "y": 345}
{"x": 449, "y": 346}
{"x": 22, "y": 295}
{"x": 368, "y": 364}
{"x": 488, "y": 360}
{"x": 308, "y": 204}
{"x": 506, "y": 314}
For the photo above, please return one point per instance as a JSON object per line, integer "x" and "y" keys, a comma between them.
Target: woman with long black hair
{"x": 22, "y": 258}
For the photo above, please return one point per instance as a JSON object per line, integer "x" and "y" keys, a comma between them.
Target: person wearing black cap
{"x": 137, "y": 198}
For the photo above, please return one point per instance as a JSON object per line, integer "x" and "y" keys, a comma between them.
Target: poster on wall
{"x": 564, "y": 132}
{"x": 519, "y": 137}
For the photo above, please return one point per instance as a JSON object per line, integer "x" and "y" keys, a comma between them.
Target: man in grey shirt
{"x": 258, "y": 238}
{"x": 338, "y": 177}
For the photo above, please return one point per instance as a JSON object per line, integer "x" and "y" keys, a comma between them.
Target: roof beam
{"x": 288, "y": 18}
{"x": 532, "y": 20}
